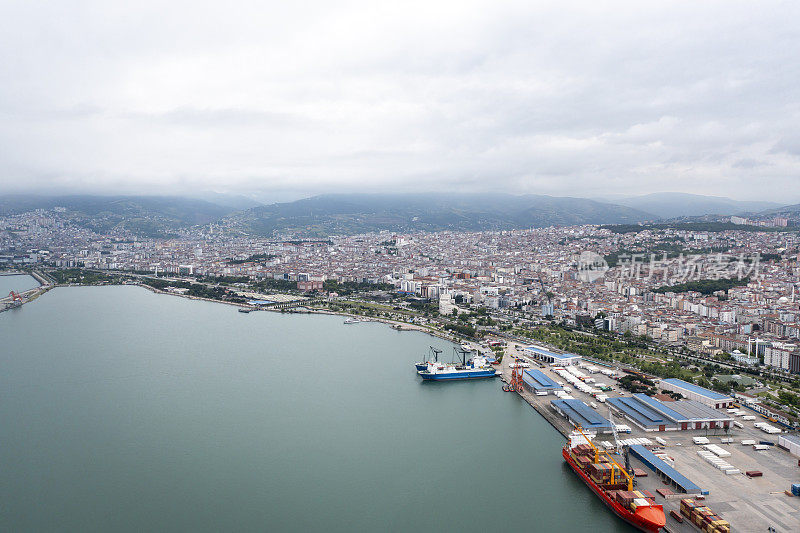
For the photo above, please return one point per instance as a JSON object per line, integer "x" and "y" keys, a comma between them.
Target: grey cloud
{"x": 555, "y": 98}
{"x": 231, "y": 117}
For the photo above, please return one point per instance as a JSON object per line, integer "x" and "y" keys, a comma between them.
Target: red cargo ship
{"x": 612, "y": 484}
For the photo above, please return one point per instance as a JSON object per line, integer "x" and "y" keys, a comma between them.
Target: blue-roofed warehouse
{"x": 555, "y": 359}
{"x": 641, "y": 414}
{"x": 697, "y": 393}
{"x": 663, "y": 470}
{"x": 538, "y": 383}
{"x": 580, "y": 414}
{"x": 653, "y": 415}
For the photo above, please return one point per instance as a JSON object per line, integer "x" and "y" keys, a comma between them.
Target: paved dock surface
{"x": 749, "y": 504}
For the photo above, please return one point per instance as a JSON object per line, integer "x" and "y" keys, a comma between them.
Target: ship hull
{"x": 421, "y": 366}
{"x": 452, "y": 376}
{"x": 622, "y": 512}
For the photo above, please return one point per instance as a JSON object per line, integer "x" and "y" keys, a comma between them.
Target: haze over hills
{"x": 791, "y": 211}
{"x": 355, "y": 213}
{"x": 675, "y": 204}
{"x": 152, "y": 216}
{"x": 234, "y": 201}
{"x": 331, "y": 214}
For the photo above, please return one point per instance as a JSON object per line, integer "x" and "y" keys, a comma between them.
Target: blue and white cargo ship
{"x": 433, "y": 357}
{"x": 477, "y": 368}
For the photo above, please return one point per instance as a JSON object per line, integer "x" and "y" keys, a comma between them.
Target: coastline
{"x": 404, "y": 326}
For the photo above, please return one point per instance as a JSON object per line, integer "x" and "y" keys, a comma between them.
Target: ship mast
{"x": 463, "y": 353}
{"x": 436, "y": 352}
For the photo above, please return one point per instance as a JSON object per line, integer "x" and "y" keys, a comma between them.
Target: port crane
{"x": 597, "y": 453}
{"x": 621, "y": 450}
{"x": 16, "y": 299}
{"x": 515, "y": 384}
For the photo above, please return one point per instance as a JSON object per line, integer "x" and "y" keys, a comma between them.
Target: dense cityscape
{"x": 727, "y": 295}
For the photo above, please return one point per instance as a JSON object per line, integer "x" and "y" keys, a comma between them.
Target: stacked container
{"x": 633, "y": 498}
{"x": 601, "y": 472}
{"x": 583, "y": 454}
{"x": 703, "y": 517}
{"x": 625, "y": 497}
{"x": 687, "y": 506}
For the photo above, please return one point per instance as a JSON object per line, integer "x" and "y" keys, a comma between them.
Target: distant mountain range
{"x": 233, "y": 201}
{"x": 357, "y": 213}
{"x": 343, "y": 214}
{"x": 790, "y": 211}
{"x": 666, "y": 205}
{"x": 151, "y": 216}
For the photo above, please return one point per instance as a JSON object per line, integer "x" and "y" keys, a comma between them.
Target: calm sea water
{"x": 17, "y": 283}
{"x": 123, "y": 410}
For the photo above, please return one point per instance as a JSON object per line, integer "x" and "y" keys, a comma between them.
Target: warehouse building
{"x": 538, "y": 383}
{"x": 697, "y": 393}
{"x": 641, "y": 414}
{"x": 664, "y": 471}
{"x": 580, "y": 414}
{"x": 652, "y": 415}
{"x": 555, "y": 359}
{"x": 791, "y": 443}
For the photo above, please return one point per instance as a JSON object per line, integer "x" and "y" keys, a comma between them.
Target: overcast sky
{"x": 595, "y": 99}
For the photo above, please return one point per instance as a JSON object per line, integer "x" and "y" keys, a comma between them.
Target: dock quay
{"x": 749, "y": 504}
{"x": 540, "y": 403}
{"x": 19, "y": 299}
